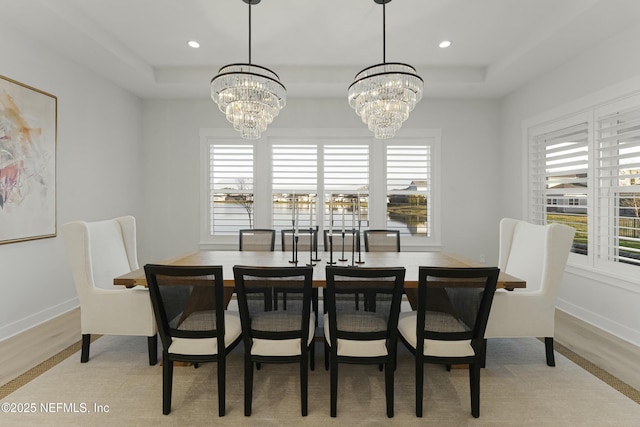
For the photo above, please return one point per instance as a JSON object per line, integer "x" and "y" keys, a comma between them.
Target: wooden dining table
{"x": 227, "y": 259}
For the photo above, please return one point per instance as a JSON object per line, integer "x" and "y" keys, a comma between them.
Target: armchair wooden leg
{"x": 86, "y": 342}
{"x": 153, "y": 349}
{"x": 548, "y": 344}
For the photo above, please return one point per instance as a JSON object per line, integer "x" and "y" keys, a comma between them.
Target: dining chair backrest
{"x": 382, "y": 240}
{"x": 261, "y": 316}
{"x": 535, "y": 253}
{"x": 463, "y": 312}
{"x": 339, "y": 243}
{"x": 100, "y": 250}
{"x": 188, "y": 303}
{"x": 376, "y": 318}
{"x": 305, "y": 239}
{"x": 257, "y": 239}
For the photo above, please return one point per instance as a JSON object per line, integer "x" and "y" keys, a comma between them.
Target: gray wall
{"x": 97, "y": 175}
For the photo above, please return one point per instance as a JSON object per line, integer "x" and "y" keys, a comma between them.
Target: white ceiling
{"x": 317, "y": 47}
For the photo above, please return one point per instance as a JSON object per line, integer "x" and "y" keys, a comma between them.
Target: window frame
{"x": 589, "y": 108}
{"x": 377, "y": 181}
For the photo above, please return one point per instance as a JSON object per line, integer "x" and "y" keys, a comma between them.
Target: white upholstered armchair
{"x": 537, "y": 254}
{"x": 98, "y": 252}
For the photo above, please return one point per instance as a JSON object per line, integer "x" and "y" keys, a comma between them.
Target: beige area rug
{"x": 118, "y": 388}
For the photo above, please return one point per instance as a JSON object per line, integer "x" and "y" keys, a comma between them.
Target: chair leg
{"x": 419, "y": 386}
{"x": 474, "y": 384}
{"x": 248, "y": 385}
{"x": 304, "y": 384}
{"x": 312, "y": 356}
{"x": 222, "y": 369}
{"x": 389, "y": 371}
{"x": 334, "y": 387}
{"x": 152, "y": 342}
{"x": 448, "y": 366}
{"x": 483, "y": 359}
{"x": 326, "y": 356}
{"x": 167, "y": 383}
{"x": 86, "y": 342}
{"x": 548, "y": 344}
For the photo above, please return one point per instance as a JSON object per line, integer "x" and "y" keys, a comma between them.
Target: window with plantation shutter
{"x": 408, "y": 188}
{"x": 559, "y": 165}
{"x": 294, "y": 171}
{"x": 339, "y": 173}
{"x": 346, "y": 179}
{"x": 618, "y": 177}
{"x": 231, "y": 185}
{"x": 584, "y": 171}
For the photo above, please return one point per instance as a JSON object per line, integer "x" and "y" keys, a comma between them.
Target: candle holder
{"x": 360, "y": 261}
{"x": 331, "y": 261}
{"x": 294, "y": 248}
{"x": 311, "y": 263}
{"x": 315, "y": 241}
{"x": 353, "y": 247}
{"x": 342, "y": 258}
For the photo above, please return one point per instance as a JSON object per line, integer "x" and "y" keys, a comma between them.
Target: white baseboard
{"x": 23, "y": 351}
{"x": 607, "y": 351}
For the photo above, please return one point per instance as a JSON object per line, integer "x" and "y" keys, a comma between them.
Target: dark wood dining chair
{"x": 452, "y": 331}
{"x": 337, "y": 241}
{"x": 194, "y": 326}
{"x": 306, "y": 238}
{"x": 362, "y": 336}
{"x": 257, "y": 239}
{"x": 276, "y": 333}
{"x": 382, "y": 240}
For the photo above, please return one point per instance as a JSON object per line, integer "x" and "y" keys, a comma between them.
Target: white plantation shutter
{"x": 294, "y": 169}
{"x": 346, "y": 176}
{"x": 618, "y": 174}
{"x": 250, "y": 183}
{"x": 231, "y": 186}
{"x": 559, "y": 166}
{"x": 408, "y": 188}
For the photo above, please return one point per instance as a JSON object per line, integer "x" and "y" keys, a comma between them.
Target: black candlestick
{"x": 315, "y": 240}
{"x": 343, "y": 258}
{"x": 311, "y": 263}
{"x": 331, "y": 261}
{"x": 294, "y": 248}
{"x": 360, "y": 261}
{"x": 353, "y": 247}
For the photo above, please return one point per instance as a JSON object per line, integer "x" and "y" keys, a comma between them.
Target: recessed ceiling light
{"x": 444, "y": 44}
{"x": 194, "y": 44}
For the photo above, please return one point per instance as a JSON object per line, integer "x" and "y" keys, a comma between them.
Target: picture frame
{"x": 28, "y": 149}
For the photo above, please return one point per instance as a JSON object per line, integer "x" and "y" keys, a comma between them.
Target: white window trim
{"x": 337, "y": 136}
{"x": 587, "y": 105}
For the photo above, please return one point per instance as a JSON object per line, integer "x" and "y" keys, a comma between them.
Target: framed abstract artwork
{"x": 28, "y": 139}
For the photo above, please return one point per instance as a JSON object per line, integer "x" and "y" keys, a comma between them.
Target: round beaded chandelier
{"x": 249, "y": 95}
{"x": 384, "y": 94}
